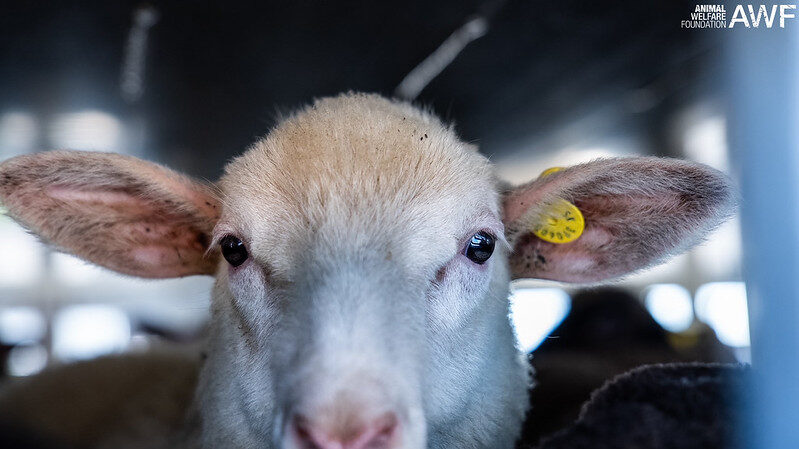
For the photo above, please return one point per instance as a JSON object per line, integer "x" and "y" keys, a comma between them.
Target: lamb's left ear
{"x": 637, "y": 212}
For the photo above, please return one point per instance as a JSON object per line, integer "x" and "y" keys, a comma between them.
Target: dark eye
{"x": 480, "y": 247}
{"x": 233, "y": 250}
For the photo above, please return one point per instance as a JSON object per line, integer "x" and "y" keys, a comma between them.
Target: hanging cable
{"x": 132, "y": 77}
{"x": 476, "y": 27}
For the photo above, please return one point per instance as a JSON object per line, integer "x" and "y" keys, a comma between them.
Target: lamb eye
{"x": 233, "y": 250}
{"x": 480, "y": 247}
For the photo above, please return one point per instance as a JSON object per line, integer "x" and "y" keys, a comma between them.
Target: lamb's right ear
{"x": 122, "y": 213}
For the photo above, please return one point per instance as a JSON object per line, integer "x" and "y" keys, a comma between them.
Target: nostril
{"x": 304, "y": 434}
{"x": 379, "y": 433}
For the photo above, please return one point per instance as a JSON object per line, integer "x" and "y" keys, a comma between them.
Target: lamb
{"x": 362, "y": 255}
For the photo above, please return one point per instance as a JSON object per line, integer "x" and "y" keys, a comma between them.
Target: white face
{"x": 361, "y": 324}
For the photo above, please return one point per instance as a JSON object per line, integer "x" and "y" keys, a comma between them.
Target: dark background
{"x": 547, "y": 74}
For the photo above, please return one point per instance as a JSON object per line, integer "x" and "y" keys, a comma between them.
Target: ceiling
{"x": 547, "y": 75}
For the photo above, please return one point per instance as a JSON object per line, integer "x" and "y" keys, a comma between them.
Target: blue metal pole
{"x": 763, "y": 69}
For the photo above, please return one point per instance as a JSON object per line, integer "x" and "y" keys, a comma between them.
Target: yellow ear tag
{"x": 549, "y": 171}
{"x": 561, "y": 221}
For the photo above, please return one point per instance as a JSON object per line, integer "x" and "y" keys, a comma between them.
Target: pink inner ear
{"x": 518, "y": 203}
{"x": 580, "y": 264}
{"x": 109, "y": 198}
{"x": 153, "y": 256}
{"x": 164, "y": 261}
{"x": 577, "y": 261}
{"x": 595, "y": 237}
{"x": 198, "y": 195}
{"x": 146, "y": 238}
{"x": 135, "y": 218}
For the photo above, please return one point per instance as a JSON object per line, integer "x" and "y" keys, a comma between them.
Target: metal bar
{"x": 763, "y": 69}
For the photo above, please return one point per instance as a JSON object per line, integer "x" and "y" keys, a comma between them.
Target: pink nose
{"x": 378, "y": 433}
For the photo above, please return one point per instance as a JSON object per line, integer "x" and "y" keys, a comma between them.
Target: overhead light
{"x": 719, "y": 256}
{"x": 19, "y": 271}
{"x": 72, "y": 271}
{"x": 18, "y": 134}
{"x": 705, "y": 140}
{"x": 722, "y": 305}
{"x": 20, "y": 324}
{"x": 535, "y": 312}
{"x": 86, "y": 130}
{"x": 26, "y": 360}
{"x": 519, "y": 170}
{"x": 671, "y": 306}
{"x": 86, "y": 331}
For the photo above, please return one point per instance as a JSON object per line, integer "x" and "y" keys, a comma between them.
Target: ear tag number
{"x": 561, "y": 221}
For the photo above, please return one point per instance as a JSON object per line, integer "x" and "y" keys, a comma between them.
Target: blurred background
{"x": 534, "y": 84}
